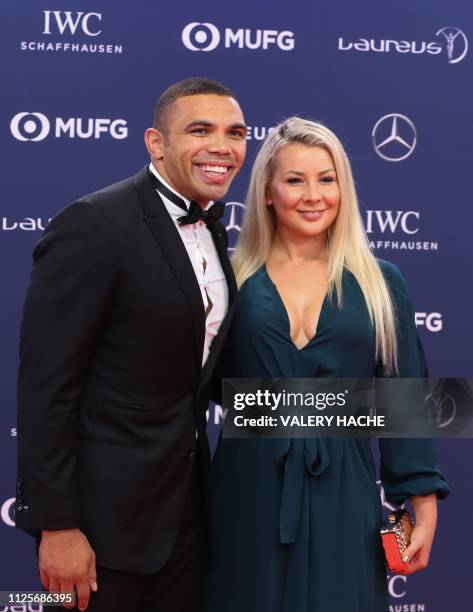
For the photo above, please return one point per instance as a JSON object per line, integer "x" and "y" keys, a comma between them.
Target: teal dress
{"x": 295, "y": 522}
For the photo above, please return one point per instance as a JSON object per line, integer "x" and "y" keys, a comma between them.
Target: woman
{"x": 295, "y": 523}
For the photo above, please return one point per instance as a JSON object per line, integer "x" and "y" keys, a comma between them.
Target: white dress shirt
{"x": 204, "y": 258}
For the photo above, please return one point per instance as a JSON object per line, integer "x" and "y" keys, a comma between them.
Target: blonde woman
{"x": 295, "y": 524}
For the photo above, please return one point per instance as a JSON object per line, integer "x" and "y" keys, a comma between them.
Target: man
{"x": 126, "y": 312}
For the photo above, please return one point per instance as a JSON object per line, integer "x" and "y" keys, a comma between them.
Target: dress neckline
{"x": 286, "y": 314}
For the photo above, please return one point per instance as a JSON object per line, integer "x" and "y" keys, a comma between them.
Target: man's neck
{"x": 163, "y": 177}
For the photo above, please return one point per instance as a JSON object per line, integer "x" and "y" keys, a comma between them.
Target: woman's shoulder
{"x": 390, "y": 270}
{"x": 396, "y": 281}
{"x": 391, "y": 273}
{"x": 254, "y": 280}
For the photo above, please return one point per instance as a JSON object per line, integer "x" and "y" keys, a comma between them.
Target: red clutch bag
{"x": 396, "y": 536}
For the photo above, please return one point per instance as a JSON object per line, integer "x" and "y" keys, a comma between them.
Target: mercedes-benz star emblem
{"x": 233, "y": 217}
{"x": 394, "y": 137}
{"x": 384, "y": 501}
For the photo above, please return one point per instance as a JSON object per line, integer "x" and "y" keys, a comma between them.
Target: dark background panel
{"x": 348, "y": 89}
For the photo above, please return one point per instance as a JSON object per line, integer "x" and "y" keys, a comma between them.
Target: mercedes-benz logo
{"x": 233, "y": 218}
{"x": 384, "y": 501}
{"x": 456, "y": 39}
{"x": 394, "y": 137}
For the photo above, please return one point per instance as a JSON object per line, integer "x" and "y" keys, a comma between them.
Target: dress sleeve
{"x": 408, "y": 466}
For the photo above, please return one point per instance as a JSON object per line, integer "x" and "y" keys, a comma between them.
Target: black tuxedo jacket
{"x": 111, "y": 388}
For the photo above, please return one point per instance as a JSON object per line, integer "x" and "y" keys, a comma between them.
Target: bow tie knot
{"x": 197, "y": 213}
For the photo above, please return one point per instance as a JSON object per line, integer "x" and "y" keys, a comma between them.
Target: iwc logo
{"x": 71, "y": 32}
{"x": 401, "y": 226}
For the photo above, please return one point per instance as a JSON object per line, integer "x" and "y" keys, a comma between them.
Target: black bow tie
{"x": 195, "y": 212}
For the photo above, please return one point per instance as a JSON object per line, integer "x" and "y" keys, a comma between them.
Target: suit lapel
{"x": 221, "y": 242}
{"x": 173, "y": 249}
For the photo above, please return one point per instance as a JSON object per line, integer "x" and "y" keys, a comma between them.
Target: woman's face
{"x": 304, "y": 191}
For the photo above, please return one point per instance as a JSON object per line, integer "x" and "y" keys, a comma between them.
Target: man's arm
{"x": 69, "y": 298}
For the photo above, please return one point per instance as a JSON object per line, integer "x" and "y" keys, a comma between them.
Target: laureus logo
{"x": 441, "y": 407}
{"x": 457, "y": 43}
{"x": 451, "y": 40}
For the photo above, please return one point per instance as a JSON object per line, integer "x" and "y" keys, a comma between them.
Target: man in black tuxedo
{"x": 129, "y": 301}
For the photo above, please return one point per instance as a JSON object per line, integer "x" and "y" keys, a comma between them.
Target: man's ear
{"x": 154, "y": 143}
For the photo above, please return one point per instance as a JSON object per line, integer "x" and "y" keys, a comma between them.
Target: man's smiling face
{"x": 202, "y": 147}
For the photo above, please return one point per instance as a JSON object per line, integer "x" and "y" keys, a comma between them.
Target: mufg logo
{"x": 451, "y": 41}
{"x": 207, "y": 37}
{"x": 432, "y": 321}
{"x": 30, "y": 126}
{"x": 6, "y": 512}
{"x": 33, "y": 127}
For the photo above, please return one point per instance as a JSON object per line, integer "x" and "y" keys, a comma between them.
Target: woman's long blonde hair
{"x": 348, "y": 245}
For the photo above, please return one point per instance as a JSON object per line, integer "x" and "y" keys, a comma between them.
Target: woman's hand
{"x": 416, "y": 556}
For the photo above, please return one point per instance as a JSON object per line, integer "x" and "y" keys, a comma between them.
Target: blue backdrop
{"x": 392, "y": 79}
